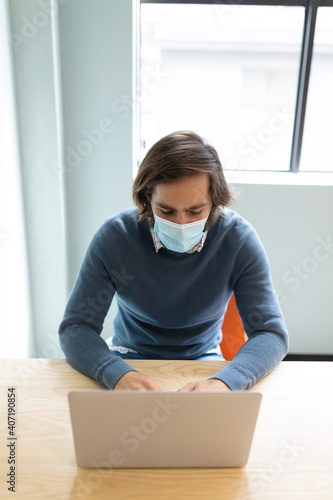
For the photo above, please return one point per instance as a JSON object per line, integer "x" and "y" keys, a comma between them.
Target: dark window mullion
{"x": 303, "y": 83}
{"x": 275, "y": 3}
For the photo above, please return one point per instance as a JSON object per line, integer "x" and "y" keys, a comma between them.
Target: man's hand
{"x": 212, "y": 384}
{"x": 135, "y": 381}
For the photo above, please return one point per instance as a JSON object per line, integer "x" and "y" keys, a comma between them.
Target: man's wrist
{"x": 222, "y": 382}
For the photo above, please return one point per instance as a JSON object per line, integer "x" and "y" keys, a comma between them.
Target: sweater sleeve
{"x": 262, "y": 319}
{"x": 80, "y": 329}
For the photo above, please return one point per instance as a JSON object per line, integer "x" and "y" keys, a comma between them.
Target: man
{"x": 173, "y": 263}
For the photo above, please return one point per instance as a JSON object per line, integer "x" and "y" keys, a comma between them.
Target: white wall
{"x": 35, "y": 103}
{"x": 295, "y": 224}
{"x": 13, "y": 282}
{"x": 96, "y": 73}
{"x": 96, "y": 70}
{"x": 72, "y": 65}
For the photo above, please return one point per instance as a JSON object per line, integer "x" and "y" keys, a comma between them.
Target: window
{"x": 236, "y": 73}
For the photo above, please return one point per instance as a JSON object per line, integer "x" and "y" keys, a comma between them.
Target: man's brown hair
{"x": 178, "y": 155}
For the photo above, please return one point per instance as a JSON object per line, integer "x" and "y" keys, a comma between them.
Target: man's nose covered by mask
{"x": 179, "y": 237}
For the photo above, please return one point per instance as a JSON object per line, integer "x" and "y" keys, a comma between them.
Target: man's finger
{"x": 188, "y": 387}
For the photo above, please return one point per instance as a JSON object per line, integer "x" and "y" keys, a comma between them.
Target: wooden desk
{"x": 291, "y": 456}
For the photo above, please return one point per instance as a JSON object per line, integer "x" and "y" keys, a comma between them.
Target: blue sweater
{"x": 171, "y": 305}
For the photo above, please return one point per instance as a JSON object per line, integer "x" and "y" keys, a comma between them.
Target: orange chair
{"x": 234, "y": 335}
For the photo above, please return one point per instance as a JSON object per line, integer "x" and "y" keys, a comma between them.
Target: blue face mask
{"x": 179, "y": 237}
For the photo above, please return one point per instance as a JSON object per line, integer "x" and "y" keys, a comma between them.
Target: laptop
{"x": 134, "y": 429}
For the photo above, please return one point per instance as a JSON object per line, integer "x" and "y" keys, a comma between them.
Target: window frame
{"x": 311, "y": 9}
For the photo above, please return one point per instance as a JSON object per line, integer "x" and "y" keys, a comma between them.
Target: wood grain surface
{"x": 291, "y": 455}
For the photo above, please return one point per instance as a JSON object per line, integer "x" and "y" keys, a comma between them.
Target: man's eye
{"x": 166, "y": 212}
{"x": 196, "y": 213}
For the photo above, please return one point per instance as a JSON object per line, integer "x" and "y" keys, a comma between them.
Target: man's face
{"x": 184, "y": 200}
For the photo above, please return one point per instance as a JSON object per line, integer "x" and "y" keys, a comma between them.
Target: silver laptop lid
{"x": 124, "y": 429}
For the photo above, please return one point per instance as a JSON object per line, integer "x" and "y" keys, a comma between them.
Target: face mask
{"x": 179, "y": 237}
